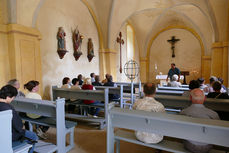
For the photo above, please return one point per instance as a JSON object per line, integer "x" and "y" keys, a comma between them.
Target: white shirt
{"x": 151, "y": 105}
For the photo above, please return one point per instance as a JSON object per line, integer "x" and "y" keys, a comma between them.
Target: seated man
{"x": 174, "y": 82}
{"x": 198, "y": 110}
{"x": 217, "y": 94}
{"x": 148, "y": 103}
{"x": 192, "y": 85}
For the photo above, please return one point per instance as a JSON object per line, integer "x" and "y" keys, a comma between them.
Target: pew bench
{"x": 169, "y": 92}
{"x": 214, "y": 132}
{"x": 96, "y": 95}
{"x": 6, "y": 144}
{"x": 53, "y": 115}
{"x": 172, "y": 88}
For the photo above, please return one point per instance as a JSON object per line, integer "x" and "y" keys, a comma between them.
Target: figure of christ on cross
{"x": 121, "y": 42}
{"x": 172, "y": 41}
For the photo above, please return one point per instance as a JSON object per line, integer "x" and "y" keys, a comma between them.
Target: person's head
{"x": 110, "y": 79}
{"x": 173, "y": 65}
{"x": 216, "y": 86}
{"x": 201, "y": 80}
{"x": 193, "y": 84}
{"x": 8, "y": 93}
{"x": 92, "y": 75}
{"x": 213, "y": 79}
{"x": 174, "y": 77}
{"x": 75, "y": 81}
{"x": 80, "y": 76}
{"x": 97, "y": 79}
{"x": 87, "y": 81}
{"x": 149, "y": 89}
{"x": 32, "y": 86}
{"x": 107, "y": 76}
{"x": 197, "y": 96}
{"x": 66, "y": 80}
{"x": 15, "y": 83}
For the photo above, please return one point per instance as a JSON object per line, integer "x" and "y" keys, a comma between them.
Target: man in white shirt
{"x": 148, "y": 103}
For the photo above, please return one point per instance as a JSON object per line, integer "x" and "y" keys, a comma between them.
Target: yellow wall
{"x": 20, "y": 54}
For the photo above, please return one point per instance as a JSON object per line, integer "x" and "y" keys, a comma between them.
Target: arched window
{"x": 130, "y": 42}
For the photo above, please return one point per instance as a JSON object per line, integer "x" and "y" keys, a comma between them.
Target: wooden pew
{"x": 172, "y": 88}
{"x": 53, "y": 115}
{"x": 169, "y": 92}
{"x": 182, "y": 127}
{"x": 182, "y": 86}
{"x": 6, "y": 135}
{"x": 181, "y": 102}
{"x": 95, "y": 95}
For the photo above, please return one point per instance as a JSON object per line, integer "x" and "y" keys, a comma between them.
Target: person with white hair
{"x": 198, "y": 110}
{"x": 173, "y": 82}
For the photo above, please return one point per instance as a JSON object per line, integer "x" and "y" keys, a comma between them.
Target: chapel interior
{"x": 28, "y": 44}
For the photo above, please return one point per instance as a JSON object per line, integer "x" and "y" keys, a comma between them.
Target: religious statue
{"x": 77, "y": 41}
{"x": 61, "y": 43}
{"x": 90, "y": 50}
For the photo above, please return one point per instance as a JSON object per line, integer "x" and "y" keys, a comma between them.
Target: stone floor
{"x": 89, "y": 139}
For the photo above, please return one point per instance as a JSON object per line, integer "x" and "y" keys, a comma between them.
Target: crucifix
{"x": 172, "y": 41}
{"x": 121, "y": 42}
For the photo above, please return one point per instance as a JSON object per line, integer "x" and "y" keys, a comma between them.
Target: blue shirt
{"x": 172, "y": 72}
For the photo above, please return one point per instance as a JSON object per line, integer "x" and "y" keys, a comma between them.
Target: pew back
{"x": 178, "y": 126}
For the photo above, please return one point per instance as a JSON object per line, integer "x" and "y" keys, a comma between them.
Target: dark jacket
{"x": 218, "y": 95}
{"x": 17, "y": 131}
{"x": 112, "y": 96}
{"x": 96, "y": 84}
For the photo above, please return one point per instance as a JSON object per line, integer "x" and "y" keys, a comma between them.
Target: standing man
{"x": 173, "y": 71}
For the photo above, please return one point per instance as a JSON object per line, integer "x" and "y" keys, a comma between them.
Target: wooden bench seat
{"x": 53, "y": 115}
{"x": 21, "y": 147}
{"x": 166, "y": 145}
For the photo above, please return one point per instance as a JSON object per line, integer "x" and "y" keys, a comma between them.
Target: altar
{"x": 163, "y": 78}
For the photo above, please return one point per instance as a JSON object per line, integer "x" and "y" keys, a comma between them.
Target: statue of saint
{"x": 77, "y": 41}
{"x": 61, "y": 39}
{"x": 90, "y": 50}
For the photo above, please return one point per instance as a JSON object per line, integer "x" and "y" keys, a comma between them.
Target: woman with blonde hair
{"x": 87, "y": 86}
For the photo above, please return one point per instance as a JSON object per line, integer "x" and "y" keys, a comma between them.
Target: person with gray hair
{"x": 198, "y": 110}
{"x": 173, "y": 82}
{"x": 15, "y": 83}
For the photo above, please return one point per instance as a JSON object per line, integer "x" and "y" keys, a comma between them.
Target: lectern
{"x": 184, "y": 73}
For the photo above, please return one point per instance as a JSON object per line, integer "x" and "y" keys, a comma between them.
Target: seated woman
{"x": 110, "y": 83}
{"x": 217, "y": 94}
{"x": 66, "y": 82}
{"x": 7, "y": 94}
{"x": 87, "y": 86}
{"x": 33, "y": 88}
{"x": 174, "y": 82}
{"x": 75, "y": 84}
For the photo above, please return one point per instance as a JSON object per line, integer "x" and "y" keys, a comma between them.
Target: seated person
{"x": 223, "y": 89}
{"x": 192, "y": 85}
{"x": 15, "y": 83}
{"x": 87, "y": 86}
{"x": 66, "y": 83}
{"x": 33, "y": 88}
{"x": 106, "y": 78}
{"x": 217, "y": 94}
{"x": 110, "y": 83}
{"x": 202, "y": 81}
{"x": 198, "y": 110}
{"x": 174, "y": 82}
{"x": 97, "y": 81}
{"x": 7, "y": 94}
{"x": 92, "y": 75}
{"x": 209, "y": 88}
{"x": 148, "y": 103}
{"x": 75, "y": 84}
{"x": 80, "y": 77}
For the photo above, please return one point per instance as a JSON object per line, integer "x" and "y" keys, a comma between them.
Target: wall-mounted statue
{"x": 61, "y": 43}
{"x": 90, "y": 50}
{"x": 77, "y": 41}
